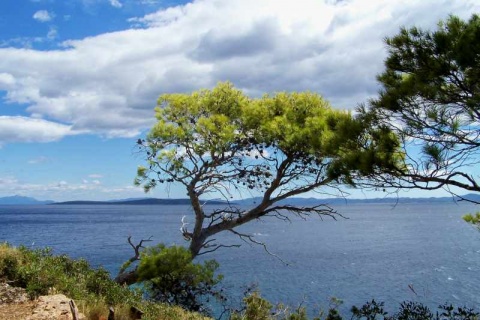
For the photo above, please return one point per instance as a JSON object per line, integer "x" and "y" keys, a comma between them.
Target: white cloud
{"x": 116, "y": 3}
{"x": 6, "y": 182}
{"x": 22, "y": 42}
{"x": 43, "y": 16}
{"x": 108, "y": 84}
{"x": 95, "y": 182}
{"x": 23, "y": 129}
{"x": 29, "y": 42}
{"x": 95, "y": 176}
{"x": 7, "y": 81}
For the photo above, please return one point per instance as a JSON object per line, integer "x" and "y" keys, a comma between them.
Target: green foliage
{"x": 223, "y": 126}
{"x": 9, "y": 261}
{"x": 369, "y": 311}
{"x": 413, "y": 310}
{"x": 333, "y": 314}
{"x": 170, "y": 276}
{"x": 431, "y": 98}
{"x": 127, "y": 264}
{"x": 41, "y": 272}
{"x": 473, "y": 219}
{"x": 256, "y": 308}
{"x": 449, "y": 312}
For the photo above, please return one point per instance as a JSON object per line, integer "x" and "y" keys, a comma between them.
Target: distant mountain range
{"x": 21, "y": 200}
{"x": 145, "y": 201}
{"x": 16, "y": 200}
{"x": 337, "y": 201}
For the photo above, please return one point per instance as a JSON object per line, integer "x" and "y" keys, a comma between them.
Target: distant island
{"x": 146, "y": 201}
{"x": 22, "y": 200}
{"x": 340, "y": 200}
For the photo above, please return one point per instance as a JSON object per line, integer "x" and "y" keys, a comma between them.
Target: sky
{"x": 79, "y": 78}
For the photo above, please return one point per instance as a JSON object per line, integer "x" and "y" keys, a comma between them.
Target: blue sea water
{"x": 381, "y": 251}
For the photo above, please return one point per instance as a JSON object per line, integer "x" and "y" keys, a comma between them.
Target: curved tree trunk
{"x": 127, "y": 278}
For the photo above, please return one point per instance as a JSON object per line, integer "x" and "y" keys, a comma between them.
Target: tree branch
{"x": 249, "y": 239}
{"x": 131, "y": 277}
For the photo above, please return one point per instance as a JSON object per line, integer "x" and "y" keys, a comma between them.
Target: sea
{"x": 389, "y": 252}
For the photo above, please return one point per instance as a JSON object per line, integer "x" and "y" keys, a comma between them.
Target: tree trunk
{"x": 127, "y": 278}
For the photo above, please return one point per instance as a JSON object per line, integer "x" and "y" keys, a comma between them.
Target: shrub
{"x": 9, "y": 261}
{"x": 170, "y": 276}
{"x": 256, "y": 308}
{"x": 369, "y": 311}
{"x": 413, "y": 310}
{"x": 461, "y": 313}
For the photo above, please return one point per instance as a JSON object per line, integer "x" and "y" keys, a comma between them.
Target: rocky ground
{"x": 15, "y": 305}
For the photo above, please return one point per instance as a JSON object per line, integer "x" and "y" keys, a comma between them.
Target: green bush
{"x": 170, "y": 276}
{"x": 369, "y": 311}
{"x": 9, "y": 261}
{"x": 256, "y": 308}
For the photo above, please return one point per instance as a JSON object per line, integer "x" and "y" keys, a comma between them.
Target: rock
{"x": 51, "y": 307}
{"x": 9, "y": 294}
{"x": 54, "y": 307}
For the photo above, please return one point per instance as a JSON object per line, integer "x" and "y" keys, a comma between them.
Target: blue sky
{"x": 79, "y": 78}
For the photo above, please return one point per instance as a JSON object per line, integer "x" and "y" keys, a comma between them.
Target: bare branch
{"x": 136, "y": 248}
{"x": 250, "y": 239}
{"x": 216, "y": 247}
{"x": 320, "y": 210}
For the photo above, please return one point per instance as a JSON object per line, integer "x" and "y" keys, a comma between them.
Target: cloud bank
{"x": 108, "y": 84}
{"x": 65, "y": 191}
